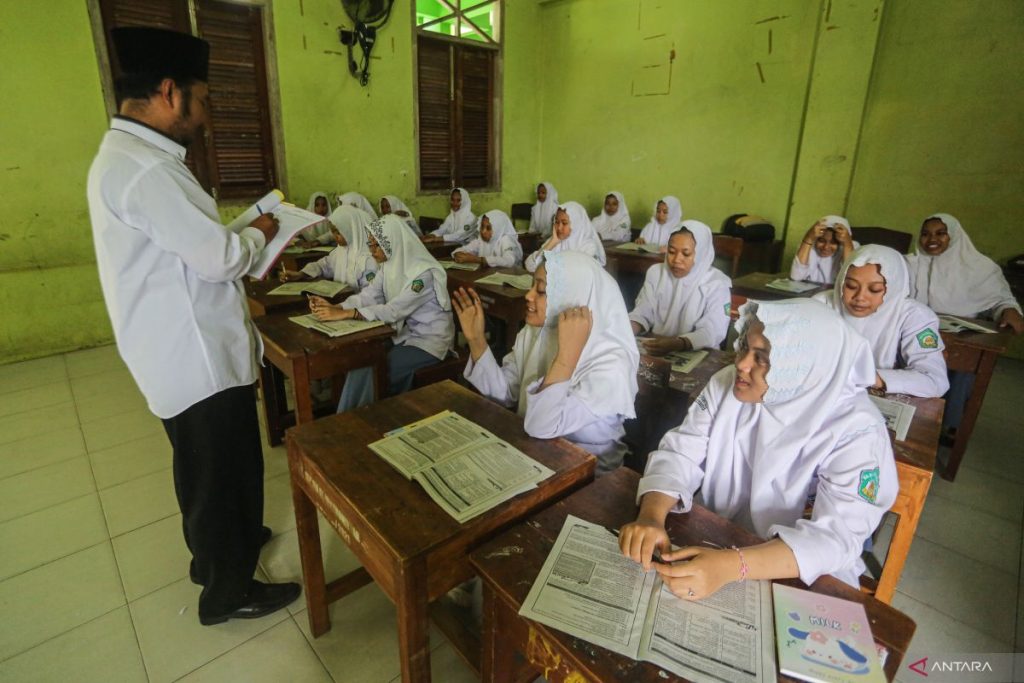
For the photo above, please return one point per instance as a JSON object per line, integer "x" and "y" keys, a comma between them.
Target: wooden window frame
{"x": 498, "y": 88}
{"x": 273, "y": 92}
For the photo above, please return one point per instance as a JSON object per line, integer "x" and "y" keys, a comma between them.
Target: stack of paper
{"x": 462, "y": 466}
{"x": 589, "y": 590}
{"x": 792, "y": 286}
{"x": 454, "y": 265}
{"x": 898, "y": 416}
{"x": 291, "y": 221}
{"x": 684, "y": 361}
{"x": 335, "y": 328}
{"x": 524, "y": 281}
{"x": 633, "y": 246}
{"x": 325, "y": 288}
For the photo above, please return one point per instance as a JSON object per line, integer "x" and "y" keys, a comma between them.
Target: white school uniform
{"x": 694, "y": 307}
{"x": 503, "y": 249}
{"x": 816, "y": 436}
{"x": 590, "y": 407}
{"x": 318, "y": 232}
{"x": 357, "y": 200}
{"x": 397, "y": 206}
{"x": 164, "y": 256}
{"x": 821, "y": 269}
{"x": 658, "y": 233}
{"x": 352, "y": 263}
{"x": 961, "y": 280}
{"x": 460, "y": 226}
{"x": 903, "y": 333}
{"x": 615, "y": 227}
{"x": 542, "y": 214}
{"x": 410, "y": 291}
{"x": 582, "y": 238}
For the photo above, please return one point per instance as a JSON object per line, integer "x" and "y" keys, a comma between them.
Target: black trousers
{"x": 218, "y": 479}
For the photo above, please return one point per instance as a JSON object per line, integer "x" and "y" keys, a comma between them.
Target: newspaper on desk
{"x": 898, "y": 415}
{"x": 792, "y": 286}
{"x": 524, "y": 281}
{"x": 951, "y": 323}
{"x": 455, "y": 265}
{"x": 588, "y": 589}
{"x": 464, "y": 468}
{"x": 325, "y": 288}
{"x": 334, "y": 328}
{"x": 684, "y": 361}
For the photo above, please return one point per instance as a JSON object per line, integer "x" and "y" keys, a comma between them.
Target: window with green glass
{"x": 473, "y": 20}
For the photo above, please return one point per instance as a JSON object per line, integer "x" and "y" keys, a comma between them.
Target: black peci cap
{"x": 161, "y": 53}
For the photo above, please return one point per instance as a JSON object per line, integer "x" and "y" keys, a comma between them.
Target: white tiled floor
{"x": 93, "y": 570}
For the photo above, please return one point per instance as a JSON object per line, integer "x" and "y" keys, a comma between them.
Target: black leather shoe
{"x": 263, "y": 599}
{"x": 265, "y": 535}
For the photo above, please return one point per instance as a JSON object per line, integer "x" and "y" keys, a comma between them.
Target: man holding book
{"x": 170, "y": 275}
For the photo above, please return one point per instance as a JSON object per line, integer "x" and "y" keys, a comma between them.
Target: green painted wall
{"x": 944, "y": 126}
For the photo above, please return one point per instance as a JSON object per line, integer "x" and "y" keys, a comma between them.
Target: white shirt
{"x": 170, "y": 271}
{"x": 335, "y": 266}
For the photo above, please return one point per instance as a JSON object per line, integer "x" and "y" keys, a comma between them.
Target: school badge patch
{"x": 417, "y": 286}
{"x": 702, "y": 402}
{"x": 927, "y": 339}
{"x": 868, "y": 488}
{"x": 728, "y": 310}
{"x": 370, "y": 275}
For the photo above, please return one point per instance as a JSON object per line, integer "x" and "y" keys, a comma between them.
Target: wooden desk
{"x": 516, "y": 649}
{"x": 974, "y": 352}
{"x": 754, "y": 286}
{"x": 915, "y": 463}
{"x": 621, "y": 262}
{"x": 262, "y": 303}
{"x": 441, "y": 250}
{"x": 504, "y": 302}
{"x": 306, "y": 355}
{"x": 407, "y": 544}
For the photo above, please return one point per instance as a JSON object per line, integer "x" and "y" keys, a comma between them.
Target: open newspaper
{"x": 301, "y": 250}
{"x": 589, "y": 590}
{"x": 466, "y": 469}
{"x": 792, "y": 286}
{"x": 951, "y": 323}
{"x": 633, "y": 246}
{"x": 684, "y": 361}
{"x": 898, "y": 415}
{"x": 324, "y": 288}
{"x": 334, "y": 328}
{"x": 524, "y": 281}
{"x": 455, "y": 265}
{"x": 291, "y": 221}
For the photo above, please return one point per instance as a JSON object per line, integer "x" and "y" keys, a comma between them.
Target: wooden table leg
{"x": 274, "y": 402}
{"x": 500, "y": 660}
{"x": 914, "y": 485}
{"x": 307, "y": 528}
{"x": 413, "y": 623}
{"x": 303, "y": 391}
{"x": 972, "y": 408}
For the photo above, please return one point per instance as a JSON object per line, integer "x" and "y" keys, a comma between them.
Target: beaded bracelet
{"x": 744, "y": 569}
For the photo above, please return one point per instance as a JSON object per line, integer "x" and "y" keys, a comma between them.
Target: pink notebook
{"x": 822, "y": 639}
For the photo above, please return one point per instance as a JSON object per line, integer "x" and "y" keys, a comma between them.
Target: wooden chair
{"x": 520, "y": 212}
{"x": 731, "y": 248}
{"x": 900, "y": 241}
{"x": 450, "y": 368}
{"x": 428, "y": 223}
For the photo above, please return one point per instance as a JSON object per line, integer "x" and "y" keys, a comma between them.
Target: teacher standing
{"x": 170, "y": 276}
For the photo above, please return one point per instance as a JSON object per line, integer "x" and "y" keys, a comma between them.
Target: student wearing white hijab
{"x": 357, "y": 200}
{"x": 318, "y": 233}
{"x": 666, "y": 218}
{"x": 496, "y": 247}
{"x": 460, "y": 226}
{"x": 788, "y": 425}
{"x": 822, "y": 251}
{"x": 950, "y": 275}
{"x": 872, "y": 295}
{"x": 572, "y": 232}
{"x": 410, "y": 293}
{"x": 350, "y": 262}
{"x": 613, "y": 222}
{"x": 542, "y": 213}
{"x": 685, "y": 302}
{"x": 572, "y": 370}
{"x": 389, "y": 203}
